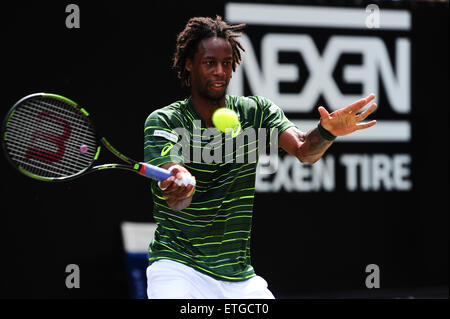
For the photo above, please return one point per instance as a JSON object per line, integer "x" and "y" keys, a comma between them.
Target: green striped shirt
{"x": 212, "y": 235}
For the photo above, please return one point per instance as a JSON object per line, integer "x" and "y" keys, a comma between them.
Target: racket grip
{"x": 154, "y": 172}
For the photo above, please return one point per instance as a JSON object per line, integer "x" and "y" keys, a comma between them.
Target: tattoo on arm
{"x": 314, "y": 146}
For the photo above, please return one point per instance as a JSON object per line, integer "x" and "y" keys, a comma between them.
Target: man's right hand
{"x": 178, "y": 196}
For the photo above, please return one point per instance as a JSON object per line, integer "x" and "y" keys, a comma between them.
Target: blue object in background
{"x": 136, "y": 238}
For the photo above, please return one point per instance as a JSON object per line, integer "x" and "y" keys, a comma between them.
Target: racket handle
{"x": 154, "y": 172}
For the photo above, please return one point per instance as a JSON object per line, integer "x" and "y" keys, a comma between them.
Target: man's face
{"x": 211, "y": 68}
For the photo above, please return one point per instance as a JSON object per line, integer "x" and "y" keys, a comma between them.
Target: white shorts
{"x": 167, "y": 279}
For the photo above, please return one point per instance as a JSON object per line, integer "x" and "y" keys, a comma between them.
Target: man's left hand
{"x": 345, "y": 121}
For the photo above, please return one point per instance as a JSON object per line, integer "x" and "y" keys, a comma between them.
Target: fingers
{"x": 370, "y": 97}
{"x": 176, "y": 169}
{"x": 323, "y": 112}
{"x": 179, "y": 186}
{"x": 345, "y": 121}
{"x": 166, "y": 183}
{"x": 358, "y": 105}
{"x": 177, "y": 192}
{"x": 362, "y": 126}
{"x": 189, "y": 190}
{"x": 366, "y": 113}
{"x": 185, "y": 178}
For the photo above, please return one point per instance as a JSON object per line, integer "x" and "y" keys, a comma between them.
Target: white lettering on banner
{"x": 363, "y": 172}
{"x": 293, "y": 176}
{"x": 375, "y": 66}
{"x": 377, "y": 69}
{"x": 314, "y": 16}
{"x": 377, "y": 172}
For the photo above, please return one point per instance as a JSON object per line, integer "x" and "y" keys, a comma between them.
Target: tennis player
{"x": 201, "y": 247}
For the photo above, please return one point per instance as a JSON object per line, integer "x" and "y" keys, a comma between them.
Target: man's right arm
{"x": 159, "y": 135}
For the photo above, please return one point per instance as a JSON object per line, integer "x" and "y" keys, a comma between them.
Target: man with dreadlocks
{"x": 201, "y": 247}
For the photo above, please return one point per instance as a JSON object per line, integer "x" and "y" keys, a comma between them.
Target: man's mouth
{"x": 218, "y": 85}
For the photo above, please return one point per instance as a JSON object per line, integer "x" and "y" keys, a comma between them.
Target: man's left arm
{"x": 310, "y": 147}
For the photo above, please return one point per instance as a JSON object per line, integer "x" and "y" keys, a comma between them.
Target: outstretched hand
{"x": 345, "y": 121}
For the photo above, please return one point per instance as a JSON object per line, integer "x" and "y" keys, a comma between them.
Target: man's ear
{"x": 188, "y": 65}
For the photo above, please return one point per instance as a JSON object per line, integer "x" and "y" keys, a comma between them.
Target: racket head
{"x": 49, "y": 137}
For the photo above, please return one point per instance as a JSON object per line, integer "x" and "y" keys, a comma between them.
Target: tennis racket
{"x": 50, "y": 138}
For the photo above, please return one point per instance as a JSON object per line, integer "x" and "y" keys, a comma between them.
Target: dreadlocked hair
{"x": 200, "y": 28}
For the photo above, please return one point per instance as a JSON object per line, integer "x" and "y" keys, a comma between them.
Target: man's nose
{"x": 219, "y": 70}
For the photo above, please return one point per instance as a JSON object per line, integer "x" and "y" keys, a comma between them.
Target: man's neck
{"x": 205, "y": 108}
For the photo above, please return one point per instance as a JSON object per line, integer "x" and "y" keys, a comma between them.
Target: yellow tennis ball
{"x": 226, "y": 119}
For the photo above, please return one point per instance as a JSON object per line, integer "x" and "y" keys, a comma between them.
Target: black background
{"x": 118, "y": 66}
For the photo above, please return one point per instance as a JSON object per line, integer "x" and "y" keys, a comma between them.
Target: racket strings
{"x": 19, "y": 151}
{"x": 43, "y": 155}
{"x": 20, "y": 128}
{"x": 46, "y": 137}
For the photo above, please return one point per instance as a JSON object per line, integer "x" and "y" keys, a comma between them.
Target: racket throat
{"x": 113, "y": 150}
